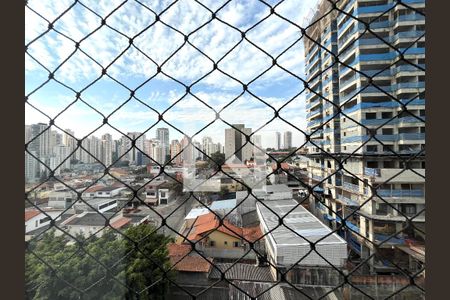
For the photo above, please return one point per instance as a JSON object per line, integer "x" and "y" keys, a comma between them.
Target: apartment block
{"x": 368, "y": 112}
{"x": 236, "y": 143}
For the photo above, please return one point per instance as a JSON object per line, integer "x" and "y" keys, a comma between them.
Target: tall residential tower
{"x": 380, "y": 144}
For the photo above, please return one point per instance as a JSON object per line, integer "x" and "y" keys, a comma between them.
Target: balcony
{"x": 347, "y": 201}
{"x": 400, "y": 193}
{"x": 387, "y": 239}
{"x": 317, "y": 177}
{"x": 375, "y": 8}
{"x": 377, "y": 73}
{"x": 409, "y": 85}
{"x": 313, "y": 113}
{"x": 411, "y": 136}
{"x": 407, "y": 34}
{"x": 414, "y": 1}
{"x": 351, "y": 186}
{"x": 378, "y": 56}
{"x": 388, "y": 104}
{"x": 405, "y": 18}
{"x": 364, "y": 138}
{"x": 313, "y": 123}
{"x": 409, "y": 68}
{"x": 347, "y": 10}
{"x": 372, "y": 172}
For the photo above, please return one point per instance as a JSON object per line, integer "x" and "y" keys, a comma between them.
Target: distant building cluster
{"x": 60, "y": 151}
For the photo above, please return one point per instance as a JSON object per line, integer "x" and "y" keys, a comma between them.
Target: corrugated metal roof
{"x": 241, "y": 271}
{"x": 299, "y": 220}
{"x": 282, "y": 291}
{"x": 223, "y": 204}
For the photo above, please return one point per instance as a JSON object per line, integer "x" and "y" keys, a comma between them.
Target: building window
{"x": 409, "y": 209}
{"x": 46, "y": 219}
{"x": 382, "y": 209}
{"x": 386, "y": 115}
{"x": 225, "y": 243}
{"x": 236, "y": 244}
{"x": 372, "y": 148}
{"x": 387, "y": 131}
{"x": 212, "y": 243}
{"x": 371, "y": 116}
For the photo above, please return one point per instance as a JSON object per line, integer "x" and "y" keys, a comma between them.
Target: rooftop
{"x": 179, "y": 256}
{"x": 30, "y": 214}
{"x": 196, "y": 212}
{"x": 277, "y": 188}
{"x": 209, "y": 222}
{"x": 299, "y": 220}
{"x": 94, "y": 188}
{"x": 88, "y": 219}
{"x": 223, "y": 204}
{"x": 252, "y": 233}
{"x": 241, "y": 271}
{"x": 121, "y": 222}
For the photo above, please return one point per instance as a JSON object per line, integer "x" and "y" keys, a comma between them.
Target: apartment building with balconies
{"x": 367, "y": 124}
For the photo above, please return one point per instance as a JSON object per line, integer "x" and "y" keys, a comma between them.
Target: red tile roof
{"x": 94, "y": 188}
{"x": 284, "y": 166}
{"x": 178, "y": 249}
{"x": 120, "y": 223}
{"x": 193, "y": 264}
{"x": 29, "y": 214}
{"x": 252, "y": 233}
{"x": 183, "y": 262}
{"x": 118, "y": 184}
{"x": 209, "y": 222}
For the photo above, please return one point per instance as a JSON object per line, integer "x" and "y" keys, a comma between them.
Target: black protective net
{"x": 160, "y": 256}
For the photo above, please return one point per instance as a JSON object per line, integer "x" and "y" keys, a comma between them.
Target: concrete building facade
{"x": 373, "y": 128}
{"x": 234, "y": 141}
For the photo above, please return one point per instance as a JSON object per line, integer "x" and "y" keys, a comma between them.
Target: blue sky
{"x": 133, "y": 68}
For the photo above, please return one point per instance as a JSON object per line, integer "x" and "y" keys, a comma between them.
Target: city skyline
{"x": 267, "y": 137}
{"x": 276, "y": 87}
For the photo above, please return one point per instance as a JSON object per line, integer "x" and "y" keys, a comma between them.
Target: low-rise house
{"x": 218, "y": 240}
{"x": 61, "y": 199}
{"x": 35, "y": 219}
{"x": 191, "y": 267}
{"x": 108, "y": 192}
{"x": 159, "y": 192}
{"x": 97, "y": 204}
{"x": 91, "y": 192}
{"x": 288, "y": 246}
{"x": 89, "y": 223}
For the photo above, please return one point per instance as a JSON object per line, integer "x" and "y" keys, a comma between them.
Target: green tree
{"x": 111, "y": 267}
{"x": 217, "y": 158}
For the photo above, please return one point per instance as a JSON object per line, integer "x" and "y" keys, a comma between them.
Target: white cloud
{"x": 159, "y": 42}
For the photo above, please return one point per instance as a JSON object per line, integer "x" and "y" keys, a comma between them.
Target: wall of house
{"x": 220, "y": 238}
{"x": 41, "y": 220}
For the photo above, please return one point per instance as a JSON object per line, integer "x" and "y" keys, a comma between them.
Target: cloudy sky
{"x": 134, "y": 65}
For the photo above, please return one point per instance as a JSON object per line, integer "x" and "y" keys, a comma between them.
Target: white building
{"x": 31, "y": 166}
{"x": 277, "y": 141}
{"x": 286, "y": 246}
{"x": 287, "y": 140}
{"x": 62, "y": 153}
{"x": 162, "y": 135}
{"x": 35, "y": 219}
{"x": 175, "y": 149}
{"x": 107, "y": 149}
